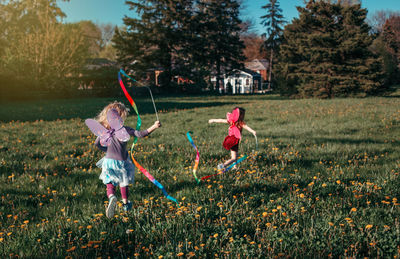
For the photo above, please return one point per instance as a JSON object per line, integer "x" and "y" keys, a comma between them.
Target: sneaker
{"x": 220, "y": 166}
{"x": 127, "y": 206}
{"x": 112, "y": 202}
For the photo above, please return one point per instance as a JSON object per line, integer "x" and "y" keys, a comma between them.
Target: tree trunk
{"x": 218, "y": 64}
{"x": 270, "y": 70}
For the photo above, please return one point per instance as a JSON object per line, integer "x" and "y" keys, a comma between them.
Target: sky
{"x": 113, "y": 11}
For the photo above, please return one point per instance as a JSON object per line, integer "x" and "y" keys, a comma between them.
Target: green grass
{"x": 324, "y": 181}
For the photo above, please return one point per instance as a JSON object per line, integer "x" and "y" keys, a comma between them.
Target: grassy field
{"x": 323, "y": 183}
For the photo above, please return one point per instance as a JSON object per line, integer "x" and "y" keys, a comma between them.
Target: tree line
{"x": 330, "y": 50}
{"x": 187, "y": 38}
{"x": 41, "y": 54}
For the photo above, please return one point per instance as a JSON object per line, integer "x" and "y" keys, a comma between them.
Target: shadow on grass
{"x": 349, "y": 141}
{"x": 89, "y": 108}
{"x": 394, "y": 92}
{"x": 394, "y": 96}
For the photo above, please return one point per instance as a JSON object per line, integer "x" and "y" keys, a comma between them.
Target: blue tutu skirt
{"x": 117, "y": 172}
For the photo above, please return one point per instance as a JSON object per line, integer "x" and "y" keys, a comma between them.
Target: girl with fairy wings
{"x": 112, "y": 138}
{"x": 236, "y": 125}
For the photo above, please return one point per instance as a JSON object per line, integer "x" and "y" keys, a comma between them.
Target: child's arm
{"x": 250, "y": 130}
{"x": 143, "y": 133}
{"x": 217, "y": 121}
{"x": 155, "y": 126}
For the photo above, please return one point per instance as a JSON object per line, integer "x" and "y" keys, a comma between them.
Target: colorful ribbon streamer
{"x": 226, "y": 169}
{"x": 196, "y": 163}
{"x": 151, "y": 95}
{"x": 138, "y": 125}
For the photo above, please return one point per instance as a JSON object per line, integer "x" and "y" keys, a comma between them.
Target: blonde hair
{"x": 121, "y": 109}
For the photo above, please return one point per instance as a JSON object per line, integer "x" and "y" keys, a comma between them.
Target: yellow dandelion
{"x": 369, "y": 226}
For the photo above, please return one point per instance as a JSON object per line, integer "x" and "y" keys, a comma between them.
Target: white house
{"x": 239, "y": 82}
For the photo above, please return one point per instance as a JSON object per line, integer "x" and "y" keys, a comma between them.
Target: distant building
{"x": 260, "y": 66}
{"x": 239, "y": 82}
{"x": 252, "y": 79}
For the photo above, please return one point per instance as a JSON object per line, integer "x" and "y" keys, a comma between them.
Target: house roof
{"x": 251, "y": 72}
{"x": 257, "y": 64}
{"x": 244, "y": 71}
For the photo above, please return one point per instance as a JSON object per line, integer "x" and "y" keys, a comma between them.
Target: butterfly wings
{"x": 232, "y": 118}
{"x": 117, "y": 124}
{"x": 117, "y": 128}
{"x": 234, "y": 131}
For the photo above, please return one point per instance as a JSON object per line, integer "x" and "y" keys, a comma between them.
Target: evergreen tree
{"x": 220, "y": 34}
{"x": 390, "y": 41}
{"x": 273, "y": 21}
{"x": 183, "y": 37}
{"x": 326, "y": 53}
{"x": 154, "y": 39}
{"x": 391, "y": 35}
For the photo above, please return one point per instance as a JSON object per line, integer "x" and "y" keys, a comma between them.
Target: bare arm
{"x": 217, "y": 121}
{"x": 155, "y": 126}
{"x": 143, "y": 133}
{"x": 250, "y": 130}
